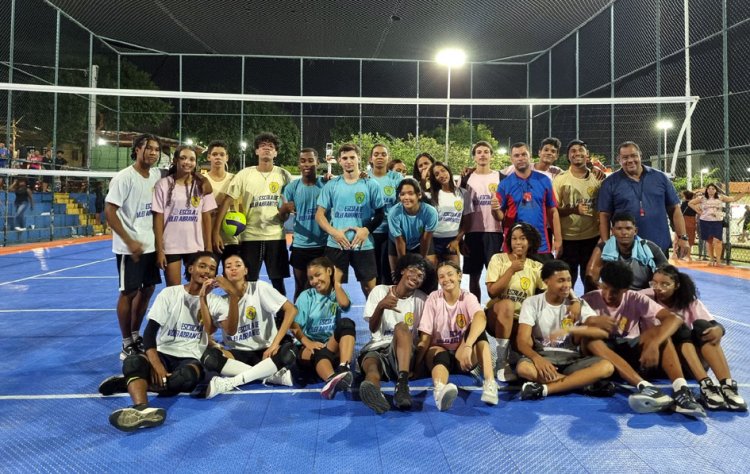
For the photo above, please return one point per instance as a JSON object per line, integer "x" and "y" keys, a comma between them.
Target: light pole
{"x": 664, "y": 125}
{"x": 703, "y": 171}
{"x": 451, "y": 57}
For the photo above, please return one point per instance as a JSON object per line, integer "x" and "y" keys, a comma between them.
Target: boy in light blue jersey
{"x": 356, "y": 209}
{"x": 301, "y": 198}
{"x": 411, "y": 223}
{"x": 388, "y": 181}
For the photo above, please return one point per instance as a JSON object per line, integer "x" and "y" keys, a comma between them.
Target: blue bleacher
{"x": 65, "y": 225}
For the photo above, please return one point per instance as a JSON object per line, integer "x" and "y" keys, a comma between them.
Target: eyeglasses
{"x": 662, "y": 286}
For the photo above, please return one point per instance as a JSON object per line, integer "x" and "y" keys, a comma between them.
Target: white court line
{"x": 55, "y": 310}
{"x": 733, "y": 320}
{"x": 76, "y": 277}
{"x": 57, "y": 271}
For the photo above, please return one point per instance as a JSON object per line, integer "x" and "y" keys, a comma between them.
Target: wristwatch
{"x": 684, "y": 237}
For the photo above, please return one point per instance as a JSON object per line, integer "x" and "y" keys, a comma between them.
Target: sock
{"x": 234, "y": 367}
{"x": 726, "y": 382}
{"x": 706, "y": 382}
{"x": 140, "y": 406}
{"x": 544, "y": 389}
{"x": 261, "y": 370}
{"x": 643, "y": 384}
{"x": 502, "y": 351}
{"x": 677, "y": 384}
{"x": 343, "y": 367}
{"x": 438, "y": 385}
{"x": 135, "y": 336}
{"x": 126, "y": 341}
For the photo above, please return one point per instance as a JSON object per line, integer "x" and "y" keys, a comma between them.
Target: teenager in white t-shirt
{"x": 256, "y": 346}
{"x": 550, "y": 358}
{"x": 452, "y": 337}
{"x": 393, "y": 313}
{"x": 128, "y": 212}
{"x": 453, "y": 205}
{"x": 175, "y": 340}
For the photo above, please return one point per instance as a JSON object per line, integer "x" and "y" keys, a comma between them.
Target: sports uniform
{"x": 411, "y": 227}
{"x": 388, "y": 184}
{"x": 309, "y": 239}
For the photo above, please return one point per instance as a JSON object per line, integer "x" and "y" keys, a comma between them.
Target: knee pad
{"x": 183, "y": 379}
{"x": 285, "y": 357}
{"x": 323, "y": 354}
{"x": 345, "y": 327}
{"x": 699, "y": 326}
{"x": 136, "y": 367}
{"x": 213, "y": 360}
{"x": 682, "y": 335}
{"x": 444, "y": 359}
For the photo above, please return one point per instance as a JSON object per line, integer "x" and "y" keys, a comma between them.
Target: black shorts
{"x": 302, "y": 256}
{"x": 417, "y": 250}
{"x": 271, "y": 252}
{"x": 136, "y": 275}
{"x": 172, "y": 363}
{"x": 440, "y": 245}
{"x": 482, "y": 246}
{"x": 186, "y": 258}
{"x": 565, "y": 362}
{"x": 248, "y": 357}
{"x": 363, "y": 262}
{"x": 627, "y": 348}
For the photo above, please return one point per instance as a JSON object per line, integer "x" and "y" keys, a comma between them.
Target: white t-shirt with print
{"x": 409, "y": 311}
{"x": 256, "y": 326}
{"x": 132, "y": 194}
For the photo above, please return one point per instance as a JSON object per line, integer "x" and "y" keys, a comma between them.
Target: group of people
{"x": 535, "y": 228}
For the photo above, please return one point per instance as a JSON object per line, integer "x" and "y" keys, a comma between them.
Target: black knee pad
{"x": 136, "y": 367}
{"x": 323, "y": 354}
{"x": 444, "y": 359}
{"x": 285, "y": 357}
{"x": 699, "y": 326}
{"x": 213, "y": 360}
{"x": 345, "y": 327}
{"x": 183, "y": 379}
{"x": 682, "y": 335}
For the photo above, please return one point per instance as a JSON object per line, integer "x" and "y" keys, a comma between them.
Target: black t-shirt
{"x": 687, "y": 211}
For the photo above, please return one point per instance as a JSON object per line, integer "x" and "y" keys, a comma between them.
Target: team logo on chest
{"x": 461, "y": 321}
{"x": 492, "y": 187}
{"x": 525, "y": 283}
{"x": 459, "y": 205}
{"x": 388, "y": 190}
{"x": 251, "y": 313}
{"x": 359, "y": 197}
{"x": 333, "y": 308}
{"x": 591, "y": 190}
{"x": 273, "y": 186}
{"x": 195, "y": 201}
{"x": 409, "y": 319}
{"x": 622, "y": 324}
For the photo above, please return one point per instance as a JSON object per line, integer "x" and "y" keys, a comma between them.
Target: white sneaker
{"x": 489, "y": 392}
{"x": 20, "y": 228}
{"x": 282, "y": 377}
{"x": 219, "y": 385}
{"x": 506, "y": 374}
{"x": 445, "y": 396}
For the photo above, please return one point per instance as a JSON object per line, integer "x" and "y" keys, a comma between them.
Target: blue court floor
{"x": 60, "y": 339}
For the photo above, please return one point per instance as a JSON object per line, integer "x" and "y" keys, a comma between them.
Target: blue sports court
{"x": 60, "y": 339}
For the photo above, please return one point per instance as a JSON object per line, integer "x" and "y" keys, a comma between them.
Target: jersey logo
{"x": 251, "y": 313}
{"x": 622, "y": 324}
{"x": 567, "y": 323}
{"x": 333, "y": 308}
{"x": 525, "y": 283}
{"x": 461, "y": 321}
{"x": 591, "y": 190}
{"x": 195, "y": 201}
{"x": 273, "y": 186}
{"x": 492, "y": 187}
{"x": 359, "y": 197}
{"x": 388, "y": 190}
{"x": 459, "y": 205}
{"x": 409, "y": 319}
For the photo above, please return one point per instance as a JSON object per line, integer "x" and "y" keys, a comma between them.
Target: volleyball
{"x": 234, "y": 223}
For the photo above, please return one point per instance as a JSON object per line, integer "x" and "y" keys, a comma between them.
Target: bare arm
{"x": 221, "y": 212}
{"x": 206, "y": 228}
{"x": 594, "y": 268}
{"x": 604, "y": 225}
{"x": 400, "y": 244}
{"x": 424, "y": 243}
{"x": 161, "y": 259}
{"x": 338, "y": 236}
{"x": 422, "y": 346}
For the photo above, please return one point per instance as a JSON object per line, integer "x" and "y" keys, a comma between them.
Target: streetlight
{"x": 100, "y": 141}
{"x": 703, "y": 171}
{"x": 243, "y": 147}
{"x": 502, "y": 151}
{"x": 665, "y": 125}
{"x": 189, "y": 142}
{"x": 451, "y": 57}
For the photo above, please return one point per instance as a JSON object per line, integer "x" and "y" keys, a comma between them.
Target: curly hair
{"x": 533, "y": 237}
{"x": 685, "y": 292}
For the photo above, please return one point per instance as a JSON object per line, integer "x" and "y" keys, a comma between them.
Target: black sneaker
{"x": 600, "y": 388}
{"x": 532, "y": 391}
{"x": 338, "y": 381}
{"x": 138, "y": 342}
{"x": 114, "y": 384}
{"x": 684, "y": 402}
{"x": 734, "y": 401}
{"x": 711, "y": 397}
{"x": 402, "y": 397}
{"x": 131, "y": 418}
{"x": 129, "y": 350}
{"x": 371, "y": 396}
{"x": 649, "y": 399}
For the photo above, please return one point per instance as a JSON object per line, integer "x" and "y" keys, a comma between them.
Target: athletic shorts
{"x": 172, "y": 363}
{"x": 482, "y": 246}
{"x": 302, "y": 256}
{"x": 386, "y": 355}
{"x": 248, "y": 357}
{"x": 627, "y": 348}
{"x": 440, "y": 245}
{"x": 565, "y": 362}
{"x": 363, "y": 262}
{"x": 417, "y": 250}
{"x": 186, "y": 258}
{"x": 136, "y": 275}
{"x": 271, "y": 252}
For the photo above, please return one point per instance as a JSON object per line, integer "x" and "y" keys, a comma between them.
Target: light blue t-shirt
{"x": 388, "y": 183}
{"x": 351, "y": 205}
{"x": 318, "y": 314}
{"x": 411, "y": 228}
{"x": 307, "y": 232}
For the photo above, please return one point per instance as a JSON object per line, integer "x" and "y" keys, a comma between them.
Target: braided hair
{"x": 191, "y": 189}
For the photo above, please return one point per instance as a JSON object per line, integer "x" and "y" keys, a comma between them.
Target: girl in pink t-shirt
{"x": 451, "y": 336}
{"x": 182, "y": 206}
{"x": 699, "y": 338}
